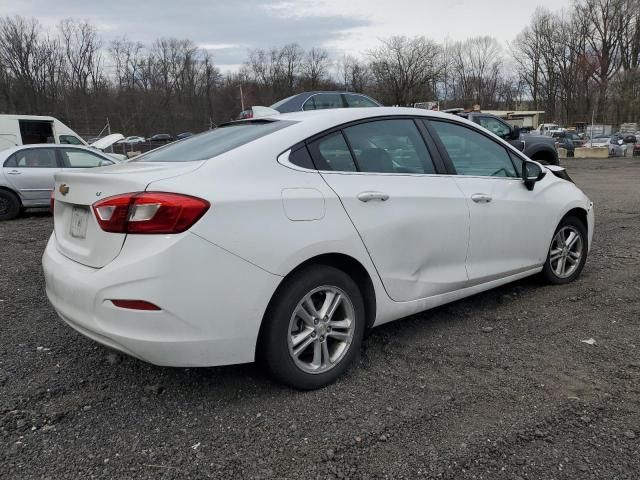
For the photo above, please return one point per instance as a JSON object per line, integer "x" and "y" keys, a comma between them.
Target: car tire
{"x": 567, "y": 253}
{"x": 9, "y": 205}
{"x": 297, "y": 345}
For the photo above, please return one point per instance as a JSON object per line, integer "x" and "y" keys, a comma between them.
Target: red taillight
{"x": 52, "y": 200}
{"x": 149, "y": 212}
{"x": 135, "y": 305}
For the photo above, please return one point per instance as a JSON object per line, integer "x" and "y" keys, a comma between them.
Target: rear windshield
{"x": 210, "y": 144}
{"x": 282, "y": 102}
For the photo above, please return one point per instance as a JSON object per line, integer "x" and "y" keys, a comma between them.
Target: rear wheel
{"x": 9, "y": 205}
{"x": 567, "y": 253}
{"x": 313, "y": 329}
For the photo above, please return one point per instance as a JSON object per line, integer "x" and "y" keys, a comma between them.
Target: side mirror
{"x": 515, "y": 133}
{"x": 531, "y": 173}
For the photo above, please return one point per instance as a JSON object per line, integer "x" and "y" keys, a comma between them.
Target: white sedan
{"x": 282, "y": 239}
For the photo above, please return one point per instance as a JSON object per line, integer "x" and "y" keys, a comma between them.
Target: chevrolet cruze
{"x": 282, "y": 239}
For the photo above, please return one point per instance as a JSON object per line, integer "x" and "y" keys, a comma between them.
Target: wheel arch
{"x": 345, "y": 263}
{"x": 580, "y": 213}
{"x": 11, "y": 191}
{"x": 544, "y": 154}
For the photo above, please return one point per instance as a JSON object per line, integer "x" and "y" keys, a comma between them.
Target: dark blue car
{"x": 322, "y": 100}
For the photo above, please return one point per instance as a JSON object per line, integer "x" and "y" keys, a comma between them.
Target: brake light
{"x": 52, "y": 200}
{"x": 149, "y": 212}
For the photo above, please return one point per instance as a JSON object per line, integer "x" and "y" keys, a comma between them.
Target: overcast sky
{"x": 230, "y": 27}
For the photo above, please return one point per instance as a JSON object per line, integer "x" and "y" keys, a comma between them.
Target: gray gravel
{"x": 498, "y": 386}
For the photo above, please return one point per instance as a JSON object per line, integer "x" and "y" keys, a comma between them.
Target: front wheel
{"x": 313, "y": 328}
{"x": 567, "y": 253}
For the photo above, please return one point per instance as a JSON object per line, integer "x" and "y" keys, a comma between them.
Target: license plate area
{"x": 79, "y": 220}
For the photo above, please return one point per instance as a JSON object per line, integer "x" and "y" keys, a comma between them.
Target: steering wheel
{"x": 504, "y": 170}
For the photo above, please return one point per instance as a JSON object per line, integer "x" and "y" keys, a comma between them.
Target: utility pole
{"x": 241, "y": 98}
{"x": 593, "y": 116}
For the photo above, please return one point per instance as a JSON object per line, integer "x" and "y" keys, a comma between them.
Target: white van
{"x": 28, "y": 129}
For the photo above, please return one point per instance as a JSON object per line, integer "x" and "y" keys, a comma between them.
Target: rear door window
{"x": 389, "y": 146}
{"x": 33, "y": 158}
{"x": 323, "y": 101}
{"x": 213, "y": 143}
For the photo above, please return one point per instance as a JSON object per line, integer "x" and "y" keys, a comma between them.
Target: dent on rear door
{"x": 417, "y": 238}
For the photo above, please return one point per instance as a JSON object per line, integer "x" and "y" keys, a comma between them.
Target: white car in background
{"x": 133, "y": 140}
{"x": 615, "y": 144}
{"x": 282, "y": 239}
{"x": 26, "y": 173}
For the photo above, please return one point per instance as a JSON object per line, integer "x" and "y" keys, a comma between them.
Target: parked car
{"x": 572, "y": 137}
{"x": 133, "y": 140}
{"x": 320, "y": 100}
{"x": 316, "y": 100}
{"x": 161, "y": 137}
{"x": 284, "y": 239}
{"x": 26, "y": 176}
{"x": 180, "y": 136}
{"x": 541, "y": 148}
{"x": 636, "y": 150}
{"x": 615, "y": 144}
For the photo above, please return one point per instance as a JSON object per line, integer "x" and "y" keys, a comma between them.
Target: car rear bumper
{"x": 211, "y": 301}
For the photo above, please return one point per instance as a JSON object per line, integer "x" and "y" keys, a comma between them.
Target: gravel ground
{"x": 497, "y": 386}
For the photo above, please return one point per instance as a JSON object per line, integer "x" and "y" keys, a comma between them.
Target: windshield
{"x": 215, "y": 142}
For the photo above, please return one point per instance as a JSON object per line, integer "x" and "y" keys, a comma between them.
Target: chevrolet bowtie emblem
{"x": 64, "y": 188}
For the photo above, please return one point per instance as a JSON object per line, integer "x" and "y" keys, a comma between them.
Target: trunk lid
{"x": 78, "y": 235}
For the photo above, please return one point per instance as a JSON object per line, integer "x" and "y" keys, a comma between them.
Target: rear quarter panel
{"x": 248, "y": 189}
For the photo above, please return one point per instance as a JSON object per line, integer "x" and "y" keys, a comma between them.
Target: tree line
{"x": 572, "y": 64}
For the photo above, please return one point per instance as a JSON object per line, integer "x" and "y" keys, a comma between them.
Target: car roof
{"x": 306, "y": 124}
{"x": 343, "y": 115}
{"x": 295, "y": 102}
{"x": 9, "y": 151}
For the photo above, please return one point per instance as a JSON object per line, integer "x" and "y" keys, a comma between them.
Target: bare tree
{"x": 82, "y": 49}
{"x": 33, "y": 60}
{"x": 605, "y": 23}
{"x": 315, "y": 67}
{"x": 405, "y": 69}
{"x": 292, "y": 58}
{"x": 476, "y": 65}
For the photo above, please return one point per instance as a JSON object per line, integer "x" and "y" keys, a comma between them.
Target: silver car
{"x": 26, "y": 173}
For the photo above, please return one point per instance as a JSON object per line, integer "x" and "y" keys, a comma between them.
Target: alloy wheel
{"x": 321, "y": 329}
{"x": 566, "y": 251}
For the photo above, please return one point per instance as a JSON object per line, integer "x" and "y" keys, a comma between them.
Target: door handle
{"x": 481, "y": 198}
{"x": 13, "y": 172}
{"x": 368, "y": 196}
